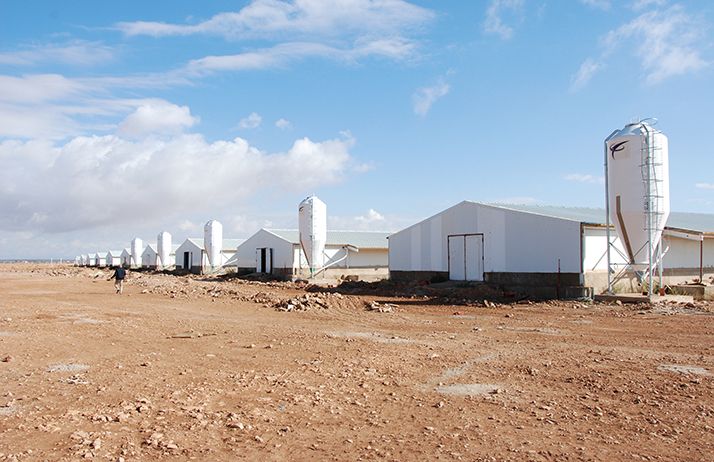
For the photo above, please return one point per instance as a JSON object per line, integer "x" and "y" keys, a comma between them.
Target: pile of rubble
{"x": 307, "y": 302}
{"x": 380, "y": 307}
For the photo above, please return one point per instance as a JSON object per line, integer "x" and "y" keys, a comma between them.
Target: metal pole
{"x": 607, "y": 217}
{"x": 661, "y": 263}
{"x": 648, "y": 203}
{"x": 701, "y": 260}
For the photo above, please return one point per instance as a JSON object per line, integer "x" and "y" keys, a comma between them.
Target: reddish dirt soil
{"x": 190, "y": 368}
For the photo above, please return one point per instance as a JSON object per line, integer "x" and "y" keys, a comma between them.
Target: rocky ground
{"x": 205, "y": 368}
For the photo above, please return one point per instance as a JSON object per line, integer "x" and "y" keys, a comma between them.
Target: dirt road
{"x": 191, "y": 369}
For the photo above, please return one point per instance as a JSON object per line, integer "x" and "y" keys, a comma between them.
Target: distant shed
{"x": 148, "y": 256}
{"x": 126, "y": 258}
{"x": 101, "y": 259}
{"x": 114, "y": 258}
{"x": 278, "y": 251}
{"x": 191, "y": 254}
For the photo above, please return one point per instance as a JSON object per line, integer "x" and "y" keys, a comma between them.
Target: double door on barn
{"x": 264, "y": 260}
{"x": 465, "y": 257}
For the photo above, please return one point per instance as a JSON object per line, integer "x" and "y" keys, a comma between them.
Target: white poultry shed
{"x": 126, "y": 257}
{"x": 113, "y": 258}
{"x": 100, "y": 259}
{"x": 536, "y": 246}
{"x": 278, "y": 251}
{"x": 191, "y": 254}
{"x": 148, "y": 256}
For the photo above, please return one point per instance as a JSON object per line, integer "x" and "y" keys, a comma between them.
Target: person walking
{"x": 118, "y": 276}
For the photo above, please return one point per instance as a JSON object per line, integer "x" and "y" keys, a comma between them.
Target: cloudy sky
{"x": 124, "y": 119}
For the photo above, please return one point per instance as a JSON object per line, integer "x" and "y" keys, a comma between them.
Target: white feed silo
{"x": 637, "y": 188}
{"x": 136, "y": 249}
{"x": 312, "y": 219}
{"x": 213, "y": 243}
{"x": 638, "y": 183}
{"x": 163, "y": 250}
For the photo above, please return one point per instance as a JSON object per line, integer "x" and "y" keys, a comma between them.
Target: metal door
{"x": 264, "y": 260}
{"x": 474, "y": 257}
{"x": 465, "y": 257}
{"x": 457, "y": 258}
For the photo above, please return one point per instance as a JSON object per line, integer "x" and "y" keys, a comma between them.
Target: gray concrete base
{"x": 404, "y": 276}
{"x": 534, "y": 279}
{"x": 698, "y": 291}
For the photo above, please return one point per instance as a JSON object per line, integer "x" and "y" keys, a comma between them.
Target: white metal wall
{"x": 365, "y": 258}
{"x": 513, "y": 241}
{"x": 195, "y": 251}
{"x": 113, "y": 260}
{"x": 148, "y": 257}
{"x": 282, "y": 250}
{"x": 125, "y": 257}
{"x": 682, "y": 253}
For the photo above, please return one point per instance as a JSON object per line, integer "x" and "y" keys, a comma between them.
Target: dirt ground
{"x": 191, "y": 368}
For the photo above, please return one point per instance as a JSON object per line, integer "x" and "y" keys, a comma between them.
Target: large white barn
{"x": 548, "y": 247}
{"x": 278, "y": 251}
{"x": 191, "y": 254}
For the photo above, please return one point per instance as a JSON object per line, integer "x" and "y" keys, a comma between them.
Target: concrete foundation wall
{"x": 534, "y": 279}
{"x": 397, "y": 275}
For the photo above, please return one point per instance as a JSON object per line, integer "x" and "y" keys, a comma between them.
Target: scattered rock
{"x": 303, "y": 303}
{"x": 380, "y": 307}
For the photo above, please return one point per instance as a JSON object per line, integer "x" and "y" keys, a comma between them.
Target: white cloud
{"x": 282, "y": 31}
{"x": 157, "y": 117}
{"x": 584, "y": 178}
{"x": 53, "y": 106}
{"x": 371, "y": 217}
{"x": 262, "y": 19}
{"x": 498, "y": 13}
{"x": 94, "y": 181}
{"x": 371, "y": 220}
{"x": 587, "y": 70}
{"x": 253, "y": 120}
{"x": 642, "y": 4}
{"x": 283, "y": 124}
{"x": 600, "y": 4}
{"x": 78, "y": 52}
{"x": 425, "y": 97}
{"x": 517, "y": 200}
{"x": 705, "y": 185}
{"x": 189, "y": 227}
{"x": 285, "y": 53}
{"x": 38, "y": 88}
{"x": 667, "y": 42}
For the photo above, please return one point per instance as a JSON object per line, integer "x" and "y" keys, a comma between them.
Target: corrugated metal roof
{"x": 228, "y": 244}
{"x": 703, "y": 222}
{"x": 232, "y": 244}
{"x": 359, "y": 239}
{"x": 198, "y": 241}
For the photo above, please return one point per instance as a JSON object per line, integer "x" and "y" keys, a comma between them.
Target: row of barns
{"x": 554, "y": 248}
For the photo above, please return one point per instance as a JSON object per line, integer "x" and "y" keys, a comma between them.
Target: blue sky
{"x": 126, "y": 119}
